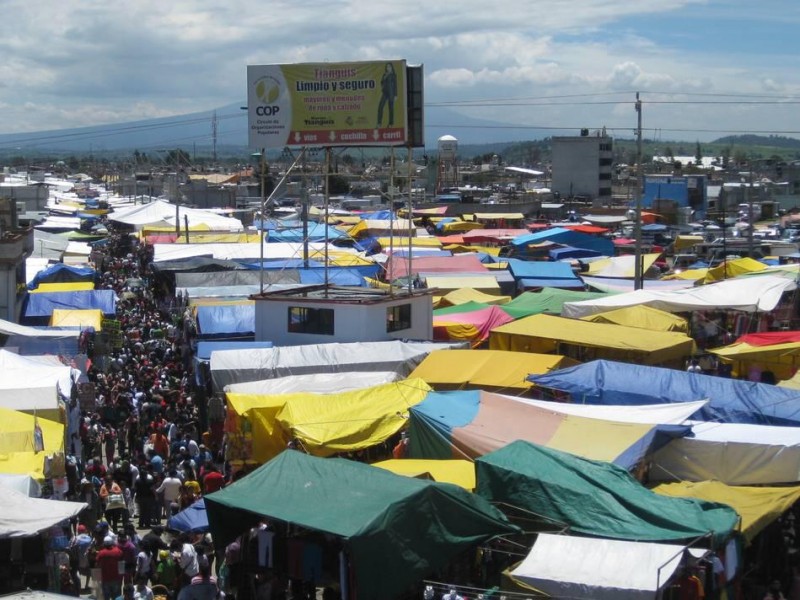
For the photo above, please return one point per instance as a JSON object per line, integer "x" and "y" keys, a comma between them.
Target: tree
{"x": 698, "y": 155}
{"x": 337, "y": 184}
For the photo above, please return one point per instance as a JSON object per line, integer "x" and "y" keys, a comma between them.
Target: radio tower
{"x": 214, "y": 134}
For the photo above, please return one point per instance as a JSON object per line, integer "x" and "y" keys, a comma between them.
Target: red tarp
{"x": 484, "y": 320}
{"x": 769, "y": 338}
{"x": 446, "y": 240}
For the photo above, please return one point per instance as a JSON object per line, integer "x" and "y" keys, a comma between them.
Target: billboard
{"x": 327, "y": 104}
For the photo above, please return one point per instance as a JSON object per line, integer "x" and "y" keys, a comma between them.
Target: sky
{"x": 703, "y": 68}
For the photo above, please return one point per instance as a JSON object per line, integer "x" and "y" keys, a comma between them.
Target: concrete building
{"x": 583, "y": 167}
{"x": 677, "y": 198}
{"x": 322, "y": 314}
{"x": 15, "y": 245}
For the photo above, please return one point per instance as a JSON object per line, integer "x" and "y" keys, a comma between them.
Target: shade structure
{"x": 545, "y": 334}
{"x": 565, "y": 236}
{"x": 416, "y": 526}
{"x": 469, "y": 424}
{"x": 566, "y": 566}
{"x": 468, "y": 295}
{"x": 458, "y": 472}
{"x": 66, "y": 286}
{"x": 729, "y": 400}
{"x": 18, "y": 452}
{"x": 398, "y": 266}
{"x": 734, "y": 268}
{"x": 61, "y": 273}
{"x": 620, "y": 266}
{"x": 447, "y": 369}
{"x": 595, "y": 498}
{"x": 655, "y": 414}
{"x": 77, "y": 318}
{"x": 473, "y": 327}
{"x": 732, "y": 453}
{"x": 642, "y": 317}
{"x": 23, "y": 516}
{"x": 321, "y": 383}
{"x": 529, "y": 274}
{"x": 42, "y": 305}
{"x": 781, "y": 360}
{"x": 758, "y": 506}
{"x": 192, "y": 519}
{"x": 226, "y": 320}
{"x": 752, "y": 294}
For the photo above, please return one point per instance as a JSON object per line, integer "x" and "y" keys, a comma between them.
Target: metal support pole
{"x": 392, "y": 257}
{"x": 638, "y": 274}
{"x": 410, "y": 220}
{"x": 325, "y": 214}
{"x": 263, "y": 161}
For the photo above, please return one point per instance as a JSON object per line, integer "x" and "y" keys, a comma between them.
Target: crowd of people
{"x": 141, "y": 451}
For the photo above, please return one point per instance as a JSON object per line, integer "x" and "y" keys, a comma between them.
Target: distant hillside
{"x": 774, "y": 141}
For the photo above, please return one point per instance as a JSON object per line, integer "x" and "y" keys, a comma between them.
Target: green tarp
{"x": 595, "y": 498}
{"x": 549, "y": 300}
{"x": 395, "y": 529}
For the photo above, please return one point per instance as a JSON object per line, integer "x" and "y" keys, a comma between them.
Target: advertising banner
{"x": 327, "y": 104}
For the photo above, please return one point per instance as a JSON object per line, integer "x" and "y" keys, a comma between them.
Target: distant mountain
{"x": 773, "y": 141}
{"x": 195, "y": 130}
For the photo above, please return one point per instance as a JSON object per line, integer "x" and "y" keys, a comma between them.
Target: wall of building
{"x": 583, "y": 166}
{"x": 352, "y": 322}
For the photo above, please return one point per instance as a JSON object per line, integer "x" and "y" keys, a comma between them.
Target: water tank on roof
{"x": 448, "y": 148}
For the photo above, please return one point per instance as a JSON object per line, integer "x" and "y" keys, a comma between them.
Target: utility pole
{"x": 638, "y": 275}
{"x": 214, "y": 135}
{"x": 750, "y": 223}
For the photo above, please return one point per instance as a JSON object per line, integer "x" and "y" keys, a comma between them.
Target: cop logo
{"x": 268, "y": 90}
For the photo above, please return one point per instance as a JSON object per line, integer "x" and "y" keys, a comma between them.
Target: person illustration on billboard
{"x": 388, "y": 93}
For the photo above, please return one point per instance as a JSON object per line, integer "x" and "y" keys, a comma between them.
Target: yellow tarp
{"x": 455, "y": 282}
{"x": 782, "y": 359}
{"x": 326, "y": 423}
{"x": 682, "y": 242}
{"x": 793, "y": 383}
{"x": 497, "y": 216}
{"x": 456, "y": 471}
{"x": 643, "y": 317}
{"x": 461, "y": 248}
{"x": 17, "y": 454}
{"x": 689, "y": 274}
{"x": 171, "y": 228}
{"x": 734, "y": 268}
{"x": 758, "y": 506}
{"x": 585, "y": 341}
{"x": 447, "y": 369}
{"x": 62, "y": 317}
{"x": 67, "y": 286}
{"x": 456, "y": 226}
{"x": 402, "y": 242}
{"x": 331, "y": 423}
{"x": 464, "y": 295}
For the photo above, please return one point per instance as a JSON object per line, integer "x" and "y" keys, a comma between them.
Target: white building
{"x": 322, "y": 314}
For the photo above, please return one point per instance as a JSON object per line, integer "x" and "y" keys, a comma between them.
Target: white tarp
{"x": 32, "y": 383}
{"x": 23, "y": 516}
{"x": 240, "y": 366}
{"x": 753, "y": 294}
{"x": 9, "y": 328}
{"x": 24, "y": 484}
{"x": 246, "y": 251}
{"x": 575, "y": 567}
{"x": 655, "y": 414}
{"x": 732, "y": 453}
{"x": 163, "y": 214}
{"x": 616, "y": 285}
{"x": 321, "y": 383}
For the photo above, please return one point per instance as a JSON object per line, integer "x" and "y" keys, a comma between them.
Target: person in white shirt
{"x": 171, "y": 490}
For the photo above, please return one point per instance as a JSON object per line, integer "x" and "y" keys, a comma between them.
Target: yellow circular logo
{"x": 267, "y": 90}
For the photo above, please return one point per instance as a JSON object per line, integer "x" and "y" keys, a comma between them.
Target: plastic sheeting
{"x": 541, "y": 270}
{"x": 67, "y": 286}
{"x": 732, "y": 453}
{"x": 321, "y": 383}
{"x": 240, "y": 366}
{"x": 621, "y": 266}
{"x": 61, "y": 273}
{"x": 576, "y": 567}
{"x": 560, "y": 235}
{"x": 159, "y": 213}
{"x": 77, "y": 318}
{"x": 237, "y": 319}
{"x": 655, "y": 414}
{"x": 473, "y": 326}
{"x": 465, "y": 295}
{"x": 192, "y": 519}
{"x": 730, "y": 400}
{"x": 31, "y": 384}
{"x": 643, "y": 317}
{"x": 753, "y": 294}
{"x": 398, "y": 266}
{"x": 548, "y": 300}
{"x": 758, "y": 506}
{"x": 445, "y": 369}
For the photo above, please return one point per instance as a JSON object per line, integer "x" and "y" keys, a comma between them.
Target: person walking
{"x": 112, "y": 568}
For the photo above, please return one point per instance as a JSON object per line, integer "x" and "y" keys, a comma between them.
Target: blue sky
{"x": 90, "y": 62}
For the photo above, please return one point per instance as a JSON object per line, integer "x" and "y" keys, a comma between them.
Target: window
{"x": 310, "y": 320}
{"x": 398, "y": 317}
{"x": 605, "y": 162}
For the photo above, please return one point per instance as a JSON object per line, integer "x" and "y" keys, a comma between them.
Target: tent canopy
{"x": 548, "y": 300}
{"x": 545, "y": 333}
{"x": 758, "y": 506}
{"x": 457, "y": 472}
{"x": 23, "y": 516}
{"x": 643, "y": 317}
{"x": 566, "y": 237}
{"x": 237, "y": 319}
{"x": 321, "y": 383}
{"x": 730, "y": 400}
{"x": 595, "y": 498}
{"x": 192, "y": 519}
{"x": 472, "y": 423}
{"x": 43, "y": 305}
{"x": 473, "y": 326}
{"x": 416, "y": 526}
{"x": 485, "y": 368}
{"x": 77, "y": 318}
{"x": 566, "y": 566}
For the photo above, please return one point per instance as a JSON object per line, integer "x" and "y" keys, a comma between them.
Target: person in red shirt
{"x": 213, "y": 480}
{"x": 160, "y": 443}
{"x": 108, "y": 561}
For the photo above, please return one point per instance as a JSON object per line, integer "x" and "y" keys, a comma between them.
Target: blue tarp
{"x": 654, "y": 228}
{"x": 564, "y": 284}
{"x": 192, "y": 519}
{"x": 379, "y": 215}
{"x": 316, "y": 233}
{"x": 440, "y": 225}
{"x": 730, "y": 400}
{"x": 61, "y": 273}
{"x": 204, "y": 349}
{"x": 568, "y": 252}
{"x": 227, "y": 319}
{"x": 559, "y": 235}
{"x": 530, "y": 269}
{"x": 43, "y": 304}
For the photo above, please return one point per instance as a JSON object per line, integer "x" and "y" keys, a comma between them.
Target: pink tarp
{"x": 483, "y": 320}
{"x": 492, "y": 235}
{"x": 397, "y": 267}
